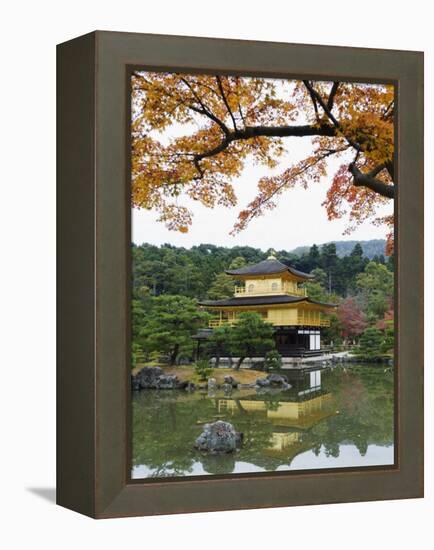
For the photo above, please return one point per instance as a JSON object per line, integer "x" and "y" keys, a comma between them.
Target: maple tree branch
{"x": 361, "y": 179}
{"x": 370, "y": 181}
{"x": 302, "y": 169}
{"x": 219, "y": 83}
{"x": 211, "y": 116}
{"x": 390, "y": 167}
{"x": 215, "y": 150}
{"x": 204, "y": 110}
{"x": 241, "y": 114}
{"x": 286, "y": 131}
{"x": 389, "y": 109}
{"x": 376, "y": 170}
{"x": 331, "y": 98}
{"x": 315, "y": 104}
{"x": 250, "y": 132}
{"x": 328, "y": 112}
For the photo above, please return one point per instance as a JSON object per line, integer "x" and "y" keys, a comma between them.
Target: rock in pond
{"x": 154, "y": 378}
{"x": 231, "y": 380}
{"x": 219, "y": 437}
{"x": 168, "y": 382}
{"x": 273, "y": 381}
{"x": 227, "y": 388}
{"x": 147, "y": 377}
{"x": 277, "y": 380}
{"x": 212, "y": 384}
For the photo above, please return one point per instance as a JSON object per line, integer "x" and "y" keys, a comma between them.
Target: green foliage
{"x": 170, "y": 324}
{"x": 137, "y": 318}
{"x": 222, "y": 287}
{"x": 320, "y": 275}
{"x": 203, "y": 369}
{"x": 190, "y": 272}
{"x": 237, "y": 262}
{"x": 376, "y": 286}
{"x": 316, "y": 291}
{"x": 273, "y": 360}
{"x": 251, "y": 335}
{"x": 389, "y": 338}
{"x": 220, "y": 342}
{"x": 371, "y": 343}
{"x": 136, "y": 354}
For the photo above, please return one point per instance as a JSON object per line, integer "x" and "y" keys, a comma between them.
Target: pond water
{"x": 330, "y": 418}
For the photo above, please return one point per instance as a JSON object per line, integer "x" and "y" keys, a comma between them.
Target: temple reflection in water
{"x": 291, "y": 414}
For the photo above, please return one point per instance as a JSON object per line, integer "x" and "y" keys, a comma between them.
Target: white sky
{"x": 299, "y": 219}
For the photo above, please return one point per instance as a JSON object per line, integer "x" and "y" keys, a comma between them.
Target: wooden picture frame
{"x": 93, "y": 381}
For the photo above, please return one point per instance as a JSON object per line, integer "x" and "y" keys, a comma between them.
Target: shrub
{"x": 137, "y": 355}
{"x": 273, "y": 360}
{"x": 370, "y": 344}
{"x": 203, "y": 370}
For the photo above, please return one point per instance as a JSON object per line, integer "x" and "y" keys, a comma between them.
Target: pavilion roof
{"x": 261, "y": 300}
{"x": 268, "y": 267}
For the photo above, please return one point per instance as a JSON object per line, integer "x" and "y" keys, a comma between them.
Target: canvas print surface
{"x": 263, "y": 275}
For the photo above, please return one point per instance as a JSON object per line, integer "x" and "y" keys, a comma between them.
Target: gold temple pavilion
{"x": 277, "y": 292}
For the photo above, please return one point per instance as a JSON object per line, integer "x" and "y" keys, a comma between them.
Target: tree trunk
{"x": 174, "y": 354}
{"x": 217, "y": 360}
{"x": 239, "y": 406}
{"x": 238, "y": 365}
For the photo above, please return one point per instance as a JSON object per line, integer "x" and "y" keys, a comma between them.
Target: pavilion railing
{"x": 312, "y": 319}
{"x": 214, "y": 323}
{"x": 261, "y": 289}
{"x": 309, "y": 319}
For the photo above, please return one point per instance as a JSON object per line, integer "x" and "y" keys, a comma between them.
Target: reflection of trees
{"x": 218, "y": 464}
{"x": 365, "y": 402}
{"x": 162, "y": 421}
{"x": 166, "y": 424}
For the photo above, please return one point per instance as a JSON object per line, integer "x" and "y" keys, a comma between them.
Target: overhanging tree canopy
{"x": 218, "y": 122}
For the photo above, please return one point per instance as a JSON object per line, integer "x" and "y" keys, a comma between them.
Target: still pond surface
{"x": 329, "y": 418}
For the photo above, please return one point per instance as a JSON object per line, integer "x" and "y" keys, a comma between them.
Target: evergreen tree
{"x": 376, "y": 285}
{"x": 170, "y": 324}
{"x": 251, "y": 336}
{"x": 223, "y": 286}
{"x": 329, "y": 261}
{"x": 370, "y": 343}
{"x": 237, "y": 262}
{"x": 314, "y": 256}
{"x": 220, "y": 342}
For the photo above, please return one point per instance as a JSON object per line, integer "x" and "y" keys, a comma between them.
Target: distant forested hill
{"x": 374, "y": 247}
{"x": 198, "y": 272}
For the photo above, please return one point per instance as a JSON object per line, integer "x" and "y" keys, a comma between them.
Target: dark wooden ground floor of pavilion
{"x": 296, "y": 341}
